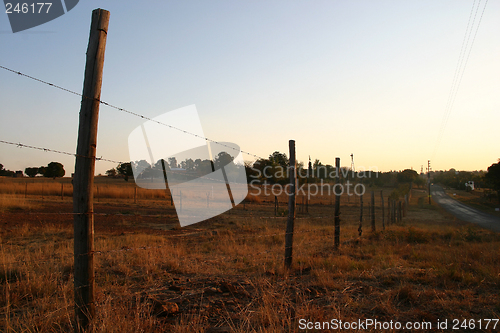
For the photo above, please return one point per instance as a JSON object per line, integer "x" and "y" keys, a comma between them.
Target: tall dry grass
{"x": 229, "y": 274}
{"x": 64, "y": 189}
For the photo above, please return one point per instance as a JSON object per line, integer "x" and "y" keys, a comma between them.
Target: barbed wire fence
{"x": 273, "y": 254}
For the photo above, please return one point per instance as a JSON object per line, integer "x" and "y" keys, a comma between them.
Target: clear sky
{"x": 371, "y": 78}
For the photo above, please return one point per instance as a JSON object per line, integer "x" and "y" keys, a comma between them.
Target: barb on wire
{"x": 22, "y": 145}
{"x": 127, "y": 111}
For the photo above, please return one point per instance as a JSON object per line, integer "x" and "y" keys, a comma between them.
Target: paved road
{"x": 464, "y": 212}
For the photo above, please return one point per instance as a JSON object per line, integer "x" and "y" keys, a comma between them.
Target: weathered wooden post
{"x": 309, "y": 181}
{"x": 291, "y": 206}
{"x": 393, "y": 211}
{"x": 360, "y": 228}
{"x": 83, "y": 197}
{"x": 373, "y": 211}
{"x": 383, "y": 209}
{"x": 62, "y": 191}
{"x": 406, "y": 204}
{"x": 399, "y": 212}
{"x": 337, "y": 205}
{"x": 389, "y": 202}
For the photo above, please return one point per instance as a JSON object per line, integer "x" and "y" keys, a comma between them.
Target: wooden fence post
{"x": 360, "y": 228}
{"x": 307, "y": 199}
{"x": 383, "y": 209}
{"x": 62, "y": 191}
{"x": 393, "y": 211}
{"x": 406, "y": 204}
{"x": 389, "y": 215}
{"x": 83, "y": 196}
{"x": 373, "y": 211}
{"x": 337, "y": 205}
{"x": 309, "y": 181}
{"x": 399, "y": 212}
{"x": 291, "y": 207}
{"x": 389, "y": 210}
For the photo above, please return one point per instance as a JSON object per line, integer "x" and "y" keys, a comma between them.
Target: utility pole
{"x": 309, "y": 180}
{"x": 429, "y": 179}
{"x": 291, "y": 206}
{"x": 353, "y": 171}
{"x": 83, "y": 197}
{"x": 337, "y": 206}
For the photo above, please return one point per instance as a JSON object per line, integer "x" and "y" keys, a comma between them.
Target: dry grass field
{"x": 227, "y": 274}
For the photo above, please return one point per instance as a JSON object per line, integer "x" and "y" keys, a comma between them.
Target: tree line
{"x": 186, "y": 169}
{"x": 52, "y": 170}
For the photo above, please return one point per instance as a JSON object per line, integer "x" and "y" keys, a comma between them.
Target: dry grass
{"x": 13, "y": 202}
{"x": 60, "y": 188}
{"x": 228, "y": 273}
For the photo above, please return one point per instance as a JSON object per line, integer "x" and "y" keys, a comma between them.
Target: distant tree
{"x": 318, "y": 169}
{"x": 493, "y": 177}
{"x": 111, "y": 173}
{"x": 419, "y": 181}
{"x": 54, "y": 169}
{"x": 41, "y": 170}
{"x": 222, "y": 159}
{"x": 203, "y": 167}
{"x": 407, "y": 176}
{"x": 190, "y": 165}
{"x": 5, "y": 172}
{"x": 172, "y": 161}
{"x": 31, "y": 172}
{"x": 125, "y": 169}
{"x": 280, "y": 159}
{"x": 252, "y": 173}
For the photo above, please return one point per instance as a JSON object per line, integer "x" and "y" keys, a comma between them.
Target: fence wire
{"x": 127, "y": 111}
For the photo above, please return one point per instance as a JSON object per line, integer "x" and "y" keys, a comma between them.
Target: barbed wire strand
{"x": 22, "y": 145}
{"x": 128, "y": 111}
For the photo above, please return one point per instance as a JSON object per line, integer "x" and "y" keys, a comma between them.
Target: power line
{"x": 460, "y": 69}
{"x": 129, "y": 112}
{"x": 22, "y": 145}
